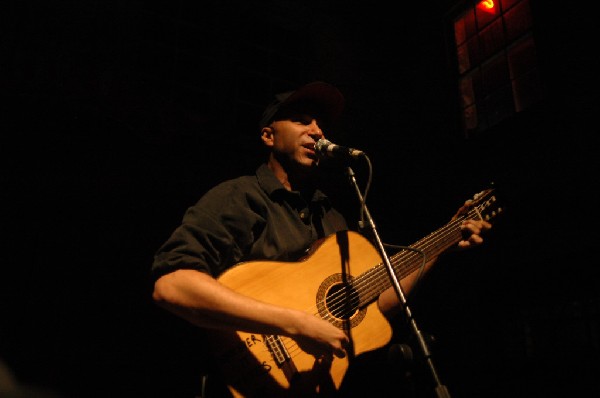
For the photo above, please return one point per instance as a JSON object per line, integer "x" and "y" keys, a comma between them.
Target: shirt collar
{"x": 270, "y": 184}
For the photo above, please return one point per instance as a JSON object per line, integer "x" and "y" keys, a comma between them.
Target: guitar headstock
{"x": 485, "y": 205}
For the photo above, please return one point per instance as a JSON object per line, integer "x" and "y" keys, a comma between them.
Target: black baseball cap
{"x": 324, "y": 99}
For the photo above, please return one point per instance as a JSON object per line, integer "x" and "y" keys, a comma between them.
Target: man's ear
{"x": 267, "y": 136}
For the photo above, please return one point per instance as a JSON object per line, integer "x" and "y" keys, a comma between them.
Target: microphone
{"x": 326, "y": 148}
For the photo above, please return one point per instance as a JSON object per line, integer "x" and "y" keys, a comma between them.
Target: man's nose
{"x": 315, "y": 130}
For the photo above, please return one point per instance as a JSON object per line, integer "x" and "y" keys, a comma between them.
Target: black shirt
{"x": 247, "y": 218}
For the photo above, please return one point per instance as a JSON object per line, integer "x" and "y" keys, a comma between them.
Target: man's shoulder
{"x": 236, "y": 184}
{"x": 243, "y": 186}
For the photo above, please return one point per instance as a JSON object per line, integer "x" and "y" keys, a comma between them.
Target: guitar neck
{"x": 374, "y": 281}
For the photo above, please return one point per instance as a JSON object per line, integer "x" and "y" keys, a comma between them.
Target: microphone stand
{"x": 440, "y": 390}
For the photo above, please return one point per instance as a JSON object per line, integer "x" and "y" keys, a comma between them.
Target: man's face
{"x": 294, "y": 136}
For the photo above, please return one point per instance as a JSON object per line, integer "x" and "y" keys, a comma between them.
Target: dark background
{"x": 118, "y": 115}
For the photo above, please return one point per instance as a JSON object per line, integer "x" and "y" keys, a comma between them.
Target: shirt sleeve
{"x": 214, "y": 234}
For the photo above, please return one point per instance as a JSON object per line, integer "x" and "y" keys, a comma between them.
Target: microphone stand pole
{"x": 440, "y": 390}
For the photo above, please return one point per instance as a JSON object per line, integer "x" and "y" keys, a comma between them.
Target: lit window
{"x": 495, "y": 54}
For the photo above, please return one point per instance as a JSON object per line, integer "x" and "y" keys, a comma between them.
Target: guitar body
{"x": 272, "y": 366}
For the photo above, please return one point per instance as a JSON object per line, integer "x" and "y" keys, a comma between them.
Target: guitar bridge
{"x": 277, "y": 349}
{"x": 280, "y": 355}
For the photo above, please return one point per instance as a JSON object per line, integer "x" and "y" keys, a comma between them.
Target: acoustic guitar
{"x": 339, "y": 280}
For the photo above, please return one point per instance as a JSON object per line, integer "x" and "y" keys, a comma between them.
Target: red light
{"x": 487, "y": 6}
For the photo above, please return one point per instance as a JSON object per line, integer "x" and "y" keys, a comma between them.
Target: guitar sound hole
{"x": 342, "y": 301}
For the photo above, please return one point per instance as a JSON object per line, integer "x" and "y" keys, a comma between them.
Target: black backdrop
{"x": 118, "y": 116}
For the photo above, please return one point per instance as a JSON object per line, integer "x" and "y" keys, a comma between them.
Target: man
{"x": 275, "y": 215}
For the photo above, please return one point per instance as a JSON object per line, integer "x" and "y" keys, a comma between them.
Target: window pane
{"x": 474, "y": 51}
{"x": 499, "y": 105}
{"x": 464, "y": 63}
{"x": 527, "y": 90}
{"x": 460, "y": 33}
{"x": 492, "y": 39}
{"x": 470, "y": 28}
{"x": 477, "y": 83}
{"x": 518, "y": 20}
{"x": 506, "y": 4}
{"x": 467, "y": 93}
{"x": 521, "y": 57}
{"x": 469, "y": 118}
{"x": 495, "y": 74}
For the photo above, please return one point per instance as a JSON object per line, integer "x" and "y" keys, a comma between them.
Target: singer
{"x": 244, "y": 267}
